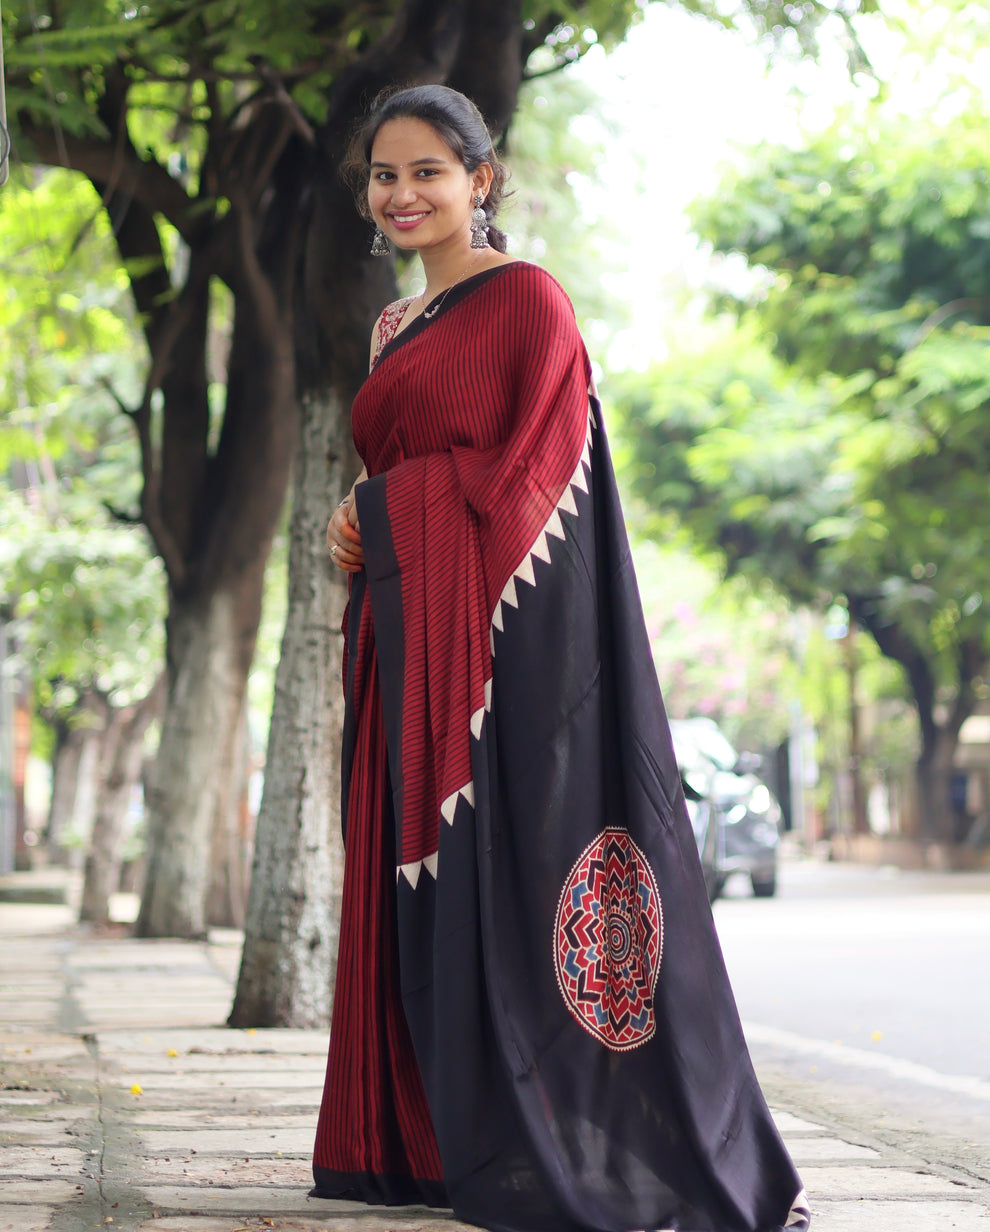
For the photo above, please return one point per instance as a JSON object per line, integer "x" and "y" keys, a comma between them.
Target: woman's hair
{"x": 458, "y": 123}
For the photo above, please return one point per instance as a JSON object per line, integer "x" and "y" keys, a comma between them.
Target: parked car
{"x": 698, "y": 780}
{"x": 738, "y": 817}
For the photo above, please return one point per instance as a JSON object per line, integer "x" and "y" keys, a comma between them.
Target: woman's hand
{"x": 344, "y": 536}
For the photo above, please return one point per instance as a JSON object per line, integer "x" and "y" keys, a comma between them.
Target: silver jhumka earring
{"x": 479, "y": 224}
{"x": 380, "y": 246}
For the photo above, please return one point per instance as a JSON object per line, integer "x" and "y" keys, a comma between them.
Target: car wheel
{"x": 764, "y": 887}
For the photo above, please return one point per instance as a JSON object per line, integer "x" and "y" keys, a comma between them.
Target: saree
{"x": 532, "y": 1020}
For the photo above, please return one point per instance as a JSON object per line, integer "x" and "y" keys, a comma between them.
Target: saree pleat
{"x": 375, "y": 1136}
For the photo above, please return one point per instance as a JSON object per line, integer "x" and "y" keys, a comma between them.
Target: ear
{"x": 481, "y": 179}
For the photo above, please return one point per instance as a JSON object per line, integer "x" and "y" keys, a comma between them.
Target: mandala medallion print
{"x": 609, "y": 942}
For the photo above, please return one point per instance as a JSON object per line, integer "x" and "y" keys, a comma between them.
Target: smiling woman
{"x": 532, "y": 1022}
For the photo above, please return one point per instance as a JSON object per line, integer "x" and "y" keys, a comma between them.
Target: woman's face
{"x": 419, "y": 191}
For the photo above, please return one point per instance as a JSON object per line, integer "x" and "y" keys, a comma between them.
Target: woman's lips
{"x": 405, "y": 222}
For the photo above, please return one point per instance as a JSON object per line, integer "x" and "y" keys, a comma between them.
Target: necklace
{"x": 430, "y": 313}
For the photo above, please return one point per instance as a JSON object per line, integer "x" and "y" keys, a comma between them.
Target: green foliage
{"x": 877, "y": 239}
{"x": 720, "y": 650}
{"x": 85, "y": 594}
{"x": 87, "y": 601}
{"x": 833, "y": 440}
{"x": 724, "y": 439}
{"x": 876, "y": 233}
{"x": 794, "y": 29}
{"x": 187, "y": 63}
{"x": 555, "y": 147}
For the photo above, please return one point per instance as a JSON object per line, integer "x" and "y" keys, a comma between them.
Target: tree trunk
{"x": 120, "y": 772}
{"x": 75, "y": 777}
{"x": 860, "y": 818}
{"x": 934, "y": 771}
{"x": 227, "y": 897}
{"x": 939, "y": 740}
{"x": 210, "y": 644}
{"x": 290, "y": 941}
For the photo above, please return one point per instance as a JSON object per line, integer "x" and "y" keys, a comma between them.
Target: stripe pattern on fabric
{"x": 524, "y": 572}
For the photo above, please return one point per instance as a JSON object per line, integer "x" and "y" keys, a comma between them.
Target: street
{"x": 865, "y": 995}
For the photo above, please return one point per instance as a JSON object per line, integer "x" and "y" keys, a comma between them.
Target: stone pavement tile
{"x": 179, "y": 1169}
{"x": 212, "y": 1063}
{"x": 234, "y": 1102}
{"x": 407, "y": 1219}
{"x": 49, "y": 1192}
{"x": 255, "y": 1199}
{"x": 27, "y": 1099}
{"x": 215, "y": 1040}
{"x": 877, "y": 1182}
{"x": 193, "y": 1012}
{"x": 18, "y": 1051}
{"x": 816, "y": 1150}
{"x": 250, "y": 1118}
{"x": 25, "y": 1219}
{"x": 27, "y": 956}
{"x": 788, "y": 1123}
{"x": 920, "y": 1215}
{"x": 50, "y": 1132}
{"x": 39, "y": 1160}
{"x": 203, "y": 1223}
{"x": 103, "y": 995}
{"x": 28, "y": 1047}
{"x": 30, "y": 971}
{"x": 30, "y": 1011}
{"x": 227, "y": 1141}
{"x": 140, "y": 958}
{"x": 247, "y": 1080}
{"x": 390, "y": 1220}
{"x": 289, "y": 1211}
{"x": 34, "y": 921}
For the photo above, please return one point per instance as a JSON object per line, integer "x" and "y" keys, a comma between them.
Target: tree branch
{"x": 896, "y": 644}
{"x": 146, "y": 180}
{"x": 121, "y": 404}
{"x": 935, "y": 319}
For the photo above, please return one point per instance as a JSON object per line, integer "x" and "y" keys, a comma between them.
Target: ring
{"x": 333, "y": 550}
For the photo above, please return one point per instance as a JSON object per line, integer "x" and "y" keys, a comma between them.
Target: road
{"x": 865, "y": 994}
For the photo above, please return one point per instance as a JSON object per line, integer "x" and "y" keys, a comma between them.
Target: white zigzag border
{"x": 554, "y": 529}
{"x": 800, "y": 1212}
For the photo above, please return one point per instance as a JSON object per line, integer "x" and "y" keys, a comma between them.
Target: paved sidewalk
{"x": 125, "y": 1103}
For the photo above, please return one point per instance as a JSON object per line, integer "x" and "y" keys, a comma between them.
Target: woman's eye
{"x": 382, "y": 176}
{"x": 426, "y": 171}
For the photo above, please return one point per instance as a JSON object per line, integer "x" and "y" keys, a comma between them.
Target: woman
{"x": 532, "y": 1022}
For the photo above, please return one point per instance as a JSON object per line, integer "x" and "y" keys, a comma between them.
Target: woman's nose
{"x": 403, "y": 190}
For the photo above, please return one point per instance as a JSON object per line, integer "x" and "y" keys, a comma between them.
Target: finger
{"x": 347, "y": 556}
{"x": 350, "y": 552}
{"x": 350, "y": 530}
{"x": 340, "y": 531}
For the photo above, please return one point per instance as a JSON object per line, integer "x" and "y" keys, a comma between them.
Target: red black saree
{"x": 532, "y": 1020}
